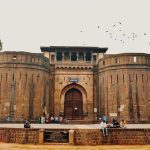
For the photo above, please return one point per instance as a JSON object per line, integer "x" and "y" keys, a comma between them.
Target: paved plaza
{"x": 70, "y": 126}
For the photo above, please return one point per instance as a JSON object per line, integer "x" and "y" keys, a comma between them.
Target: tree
{"x": 1, "y": 45}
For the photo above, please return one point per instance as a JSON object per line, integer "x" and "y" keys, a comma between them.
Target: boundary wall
{"x": 78, "y": 136}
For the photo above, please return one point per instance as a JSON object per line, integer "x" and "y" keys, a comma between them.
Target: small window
{"x": 52, "y": 57}
{"x": 26, "y": 59}
{"x": 66, "y": 56}
{"x": 32, "y": 59}
{"x": 117, "y": 60}
{"x": 73, "y": 56}
{"x": 14, "y": 58}
{"x": 94, "y": 58}
{"x": 88, "y": 56}
{"x": 134, "y": 59}
{"x": 59, "y": 56}
{"x": 103, "y": 63}
{"x": 39, "y": 60}
{"x": 81, "y": 56}
{"x": 148, "y": 60}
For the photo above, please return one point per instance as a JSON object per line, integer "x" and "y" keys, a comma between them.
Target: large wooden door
{"x": 73, "y": 107}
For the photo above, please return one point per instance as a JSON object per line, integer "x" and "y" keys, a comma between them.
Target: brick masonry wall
{"x": 21, "y": 136}
{"x": 115, "y": 136}
{"x": 81, "y": 136}
{"x": 127, "y": 136}
{"x": 88, "y": 137}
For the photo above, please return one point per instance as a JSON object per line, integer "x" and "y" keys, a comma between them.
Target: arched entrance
{"x": 73, "y": 106}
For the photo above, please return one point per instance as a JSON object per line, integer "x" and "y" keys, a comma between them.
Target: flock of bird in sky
{"x": 122, "y": 36}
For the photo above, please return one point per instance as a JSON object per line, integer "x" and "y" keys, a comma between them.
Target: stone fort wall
{"x": 124, "y": 85}
{"x": 29, "y": 86}
{"x": 24, "y": 86}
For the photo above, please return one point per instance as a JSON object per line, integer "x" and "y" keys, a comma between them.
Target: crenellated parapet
{"x": 24, "y": 86}
{"x": 124, "y": 85}
{"x": 24, "y": 59}
{"x": 126, "y": 59}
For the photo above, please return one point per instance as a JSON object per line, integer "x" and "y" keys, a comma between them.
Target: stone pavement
{"x": 69, "y": 126}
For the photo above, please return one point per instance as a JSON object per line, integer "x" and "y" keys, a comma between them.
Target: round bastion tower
{"x": 124, "y": 86}
{"x": 24, "y": 86}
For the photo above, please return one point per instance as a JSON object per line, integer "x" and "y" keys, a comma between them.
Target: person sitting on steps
{"x": 27, "y": 124}
{"x": 116, "y": 124}
{"x": 123, "y": 124}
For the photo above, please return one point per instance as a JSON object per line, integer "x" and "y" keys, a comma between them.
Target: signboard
{"x": 73, "y": 79}
{"x": 113, "y": 114}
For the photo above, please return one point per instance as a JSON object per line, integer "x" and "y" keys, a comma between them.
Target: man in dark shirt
{"x": 116, "y": 124}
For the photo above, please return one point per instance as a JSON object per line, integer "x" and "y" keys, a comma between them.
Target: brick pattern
{"x": 127, "y": 136}
{"x": 19, "y": 135}
{"x": 115, "y": 136}
{"x": 81, "y": 136}
{"x": 88, "y": 137}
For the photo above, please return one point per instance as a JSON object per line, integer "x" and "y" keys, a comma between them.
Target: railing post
{"x": 71, "y": 137}
{"x": 41, "y": 136}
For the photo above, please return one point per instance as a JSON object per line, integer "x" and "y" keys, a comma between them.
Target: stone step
{"x": 80, "y": 122}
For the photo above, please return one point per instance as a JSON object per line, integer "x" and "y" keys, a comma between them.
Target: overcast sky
{"x": 121, "y": 25}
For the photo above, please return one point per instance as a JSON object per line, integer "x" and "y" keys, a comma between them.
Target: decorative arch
{"x": 78, "y": 87}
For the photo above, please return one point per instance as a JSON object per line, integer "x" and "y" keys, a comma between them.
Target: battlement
{"x": 124, "y": 59}
{"x": 23, "y": 58}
